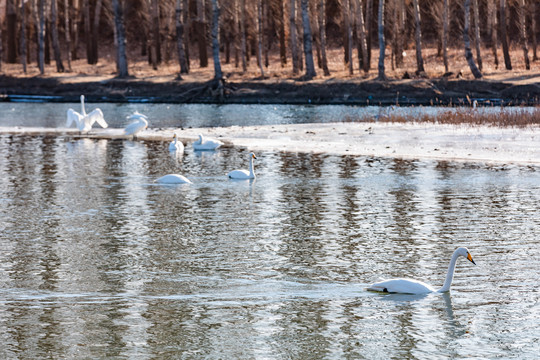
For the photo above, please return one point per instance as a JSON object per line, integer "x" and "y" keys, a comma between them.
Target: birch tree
{"x": 67, "y": 33}
{"x": 492, "y": 29}
{"x": 523, "y": 33}
{"x": 418, "y": 38}
{"x": 293, "y": 37}
{"x": 55, "y": 40}
{"x": 445, "y": 35}
{"x": 218, "y": 74}
{"x": 504, "y": 36}
{"x": 477, "y": 33}
{"x": 308, "y": 44}
{"x": 322, "y": 35}
{"x": 260, "y": 37}
{"x": 382, "y": 44}
{"x": 468, "y": 53}
{"x": 41, "y": 36}
{"x": 121, "y": 58}
{"x": 22, "y": 35}
{"x": 184, "y": 69}
{"x": 361, "y": 33}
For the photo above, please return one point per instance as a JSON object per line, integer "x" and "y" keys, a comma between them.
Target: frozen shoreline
{"x": 472, "y": 143}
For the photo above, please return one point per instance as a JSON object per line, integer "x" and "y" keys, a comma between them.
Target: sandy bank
{"x": 408, "y": 141}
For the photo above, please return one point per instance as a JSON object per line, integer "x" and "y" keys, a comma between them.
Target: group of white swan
{"x": 410, "y": 286}
{"x": 84, "y": 121}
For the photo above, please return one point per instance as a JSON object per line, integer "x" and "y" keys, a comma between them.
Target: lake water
{"x": 98, "y": 261}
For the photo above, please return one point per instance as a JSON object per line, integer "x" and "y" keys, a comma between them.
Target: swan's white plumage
{"x": 176, "y": 145}
{"x": 173, "y": 179}
{"x": 244, "y": 174}
{"x": 84, "y": 121}
{"x": 206, "y": 143}
{"x": 410, "y": 286}
{"x": 140, "y": 122}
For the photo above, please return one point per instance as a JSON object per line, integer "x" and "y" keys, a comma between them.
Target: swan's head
{"x": 463, "y": 251}
{"x": 82, "y": 98}
{"x": 252, "y": 156}
{"x": 174, "y": 136}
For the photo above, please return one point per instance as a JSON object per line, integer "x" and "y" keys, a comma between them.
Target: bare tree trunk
{"x": 282, "y": 45}
{"x": 308, "y": 38}
{"x": 88, "y": 31}
{"x": 418, "y": 38}
{"x": 322, "y": 34}
{"x": 468, "y": 53}
{"x": 534, "y": 6}
{"x": 243, "y": 34}
{"x": 67, "y": 33}
{"x": 236, "y": 31}
{"x": 41, "y": 37}
{"x": 187, "y": 28}
{"x": 523, "y": 33}
{"x": 477, "y": 34}
{"x": 156, "y": 35}
{"x": 23, "y": 36}
{"x": 348, "y": 36}
{"x": 54, "y": 33}
{"x": 75, "y": 30}
{"x": 11, "y": 20}
{"x": 201, "y": 34}
{"x": 121, "y": 39}
{"x": 382, "y": 45}
{"x": 504, "y": 36}
{"x": 184, "y": 69}
{"x": 492, "y": 29}
{"x": 95, "y": 32}
{"x": 445, "y": 35}
{"x": 369, "y": 36}
{"x": 218, "y": 74}
{"x": 360, "y": 30}
{"x": 260, "y": 36}
{"x": 294, "y": 38}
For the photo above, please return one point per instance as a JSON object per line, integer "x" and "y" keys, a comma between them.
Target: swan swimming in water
{"x": 173, "y": 179}
{"x": 83, "y": 120}
{"x": 409, "y": 286}
{"x": 140, "y": 122}
{"x": 206, "y": 143}
{"x": 176, "y": 145}
{"x": 244, "y": 174}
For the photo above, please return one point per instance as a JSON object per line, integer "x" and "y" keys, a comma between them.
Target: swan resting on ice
{"x": 140, "y": 122}
{"x": 409, "y": 286}
{"x": 206, "y": 143}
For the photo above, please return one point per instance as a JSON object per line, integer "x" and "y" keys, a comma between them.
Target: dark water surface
{"x": 98, "y": 261}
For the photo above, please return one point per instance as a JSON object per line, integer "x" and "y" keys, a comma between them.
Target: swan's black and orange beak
{"x": 469, "y": 257}
{"x": 253, "y": 156}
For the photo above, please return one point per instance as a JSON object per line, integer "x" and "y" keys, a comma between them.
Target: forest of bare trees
{"x": 244, "y": 32}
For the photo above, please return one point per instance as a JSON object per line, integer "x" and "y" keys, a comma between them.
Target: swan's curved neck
{"x": 83, "y": 110}
{"x": 251, "y": 171}
{"x": 450, "y": 273}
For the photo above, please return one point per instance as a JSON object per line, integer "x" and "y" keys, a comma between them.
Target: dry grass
{"x": 506, "y": 117}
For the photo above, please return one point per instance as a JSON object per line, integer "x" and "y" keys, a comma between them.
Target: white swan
{"x": 83, "y": 120}
{"x": 140, "y": 122}
{"x": 206, "y": 143}
{"x": 244, "y": 174}
{"x": 176, "y": 145}
{"x": 173, "y": 179}
{"x": 409, "y": 286}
